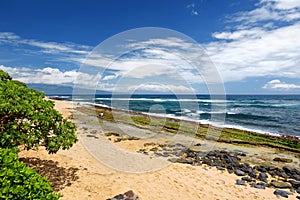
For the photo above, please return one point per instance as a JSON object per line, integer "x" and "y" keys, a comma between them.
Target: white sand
{"x": 177, "y": 181}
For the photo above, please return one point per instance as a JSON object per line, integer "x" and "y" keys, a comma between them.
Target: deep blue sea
{"x": 273, "y": 114}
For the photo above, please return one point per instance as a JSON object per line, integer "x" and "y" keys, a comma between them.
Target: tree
{"x": 26, "y": 118}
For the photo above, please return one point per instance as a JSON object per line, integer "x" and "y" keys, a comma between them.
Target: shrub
{"x": 18, "y": 181}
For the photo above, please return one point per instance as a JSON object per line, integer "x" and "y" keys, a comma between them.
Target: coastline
{"x": 176, "y": 181}
{"x": 184, "y": 119}
{"x": 267, "y": 139}
{"x": 266, "y": 114}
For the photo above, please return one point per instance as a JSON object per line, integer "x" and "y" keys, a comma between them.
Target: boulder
{"x": 287, "y": 169}
{"x": 260, "y": 185}
{"x": 263, "y": 177}
{"x": 129, "y": 195}
{"x": 247, "y": 178}
{"x": 282, "y": 193}
{"x": 295, "y": 184}
{"x": 252, "y": 174}
{"x": 260, "y": 168}
{"x": 239, "y": 172}
{"x": 240, "y": 182}
{"x": 281, "y": 184}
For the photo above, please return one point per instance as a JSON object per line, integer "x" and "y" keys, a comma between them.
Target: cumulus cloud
{"x": 277, "y": 84}
{"x": 257, "y": 44}
{"x": 50, "y": 75}
{"x": 172, "y": 57}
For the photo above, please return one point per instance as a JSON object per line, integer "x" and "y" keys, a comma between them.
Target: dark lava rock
{"x": 281, "y": 184}
{"x": 281, "y": 173}
{"x": 282, "y": 193}
{"x": 245, "y": 167}
{"x": 260, "y": 168}
{"x": 286, "y": 160}
{"x": 252, "y": 174}
{"x": 247, "y": 178}
{"x": 298, "y": 190}
{"x": 295, "y": 176}
{"x": 126, "y": 196}
{"x": 263, "y": 177}
{"x": 287, "y": 169}
{"x": 239, "y": 172}
{"x": 240, "y": 182}
{"x": 295, "y": 184}
{"x": 260, "y": 185}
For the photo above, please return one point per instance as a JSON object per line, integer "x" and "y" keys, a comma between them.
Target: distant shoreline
{"x": 228, "y": 134}
{"x": 259, "y": 113}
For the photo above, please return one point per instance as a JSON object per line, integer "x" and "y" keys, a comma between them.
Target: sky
{"x": 251, "y": 46}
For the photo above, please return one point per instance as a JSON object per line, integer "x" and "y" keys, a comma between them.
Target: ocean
{"x": 271, "y": 114}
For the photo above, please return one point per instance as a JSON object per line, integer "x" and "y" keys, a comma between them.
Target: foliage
{"x": 19, "y": 181}
{"x": 26, "y": 118}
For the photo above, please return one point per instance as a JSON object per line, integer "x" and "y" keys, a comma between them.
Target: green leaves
{"x": 26, "y": 118}
{"x": 17, "y": 181}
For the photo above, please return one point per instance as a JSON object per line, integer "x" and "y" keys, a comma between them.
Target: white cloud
{"x": 50, "y": 75}
{"x": 162, "y": 88}
{"x": 281, "y": 10}
{"x": 273, "y": 52}
{"x": 109, "y": 77}
{"x": 192, "y": 7}
{"x": 277, "y": 84}
{"x": 239, "y": 34}
{"x": 257, "y": 44}
{"x": 170, "y": 57}
{"x": 284, "y": 4}
{"x": 45, "y": 47}
{"x": 8, "y": 36}
{"x": 194, "y": 12}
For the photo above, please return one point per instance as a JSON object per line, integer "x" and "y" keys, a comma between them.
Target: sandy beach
{"x": 77, "y": 174}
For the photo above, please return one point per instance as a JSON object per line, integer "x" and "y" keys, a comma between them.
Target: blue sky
{"x": 254, "y": 44}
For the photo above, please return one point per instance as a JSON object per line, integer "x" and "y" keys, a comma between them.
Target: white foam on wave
{"x": 164, "y": 100}
{"x": 192, "y": 117}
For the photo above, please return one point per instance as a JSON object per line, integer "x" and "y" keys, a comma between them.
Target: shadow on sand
{"x": 59, "y": 177}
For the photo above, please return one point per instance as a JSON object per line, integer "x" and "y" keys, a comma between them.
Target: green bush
{"x": 28, "y": 119}
{"x": 18, "y": 181}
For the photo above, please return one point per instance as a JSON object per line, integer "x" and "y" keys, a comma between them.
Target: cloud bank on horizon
{"x": 258, "y": 46}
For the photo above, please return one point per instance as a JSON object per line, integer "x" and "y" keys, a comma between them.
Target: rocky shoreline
{"x": 285, "y": 180}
